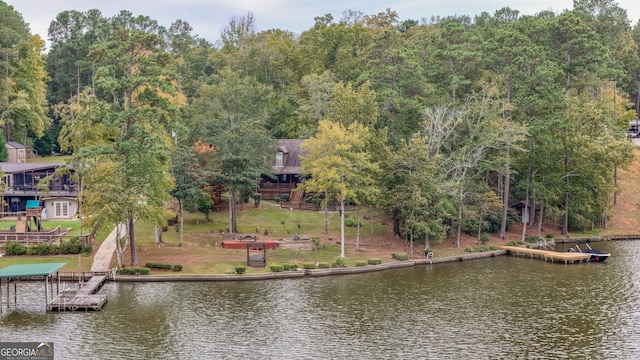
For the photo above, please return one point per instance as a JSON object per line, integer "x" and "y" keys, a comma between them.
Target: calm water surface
{"x": 502, "y": 308}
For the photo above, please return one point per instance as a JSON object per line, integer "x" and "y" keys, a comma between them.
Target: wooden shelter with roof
{"x": 13, "y": 273}
{"x": 286, "y": 171}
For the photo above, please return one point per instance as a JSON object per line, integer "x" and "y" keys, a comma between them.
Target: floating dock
{"x": 547, "y": 255}
{"x": 85, "y": 298}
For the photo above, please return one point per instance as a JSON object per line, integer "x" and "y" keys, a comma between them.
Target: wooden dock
{"x": 85, "y": 298}
{"x": 547, "y": 255}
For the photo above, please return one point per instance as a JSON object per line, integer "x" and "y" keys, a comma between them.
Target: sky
{"x": 208, "y": 17}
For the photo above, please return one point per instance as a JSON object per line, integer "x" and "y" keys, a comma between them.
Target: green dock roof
{"x": 26, "y": 270}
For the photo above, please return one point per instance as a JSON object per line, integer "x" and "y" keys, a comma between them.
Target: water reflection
{"x": 495, "y": 308}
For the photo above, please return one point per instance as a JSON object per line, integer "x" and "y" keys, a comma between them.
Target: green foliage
{"x": 13, "y": 248}
{"x": 484, "y": 238}
{"x": 276, "y": 268}
{"x": 71, "y": 246}
{"x": 134, "y": 271}
{"x": 531, "y": 239}
{"x": 324, "y": 265}
{"x": 153, "y": 265}
{"x": 309, "y": 265}
{"x": 177, "y": 267}
{"x": 350, "y": 222}
{"x": 285, "y": 197}
{"x": 241, "y": 270}
{"x": 361, "y": 263}
{"x": 401, "y": 256}
{"x": 276, "y": 199}
{"x": 42, "y": 249}
{"x": 481, "y": 248}
{"x": 294, "y": 267}
{"x": 256, "y": 199}
{"x": 514, "y": 243}
{"x": 286, "y": 267}
{"x": 549, "y": 236}
{"x": 374, "y": 261}
{"x": 340, "y": 262}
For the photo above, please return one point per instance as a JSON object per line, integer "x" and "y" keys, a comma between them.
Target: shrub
{"x": 276, "y": 268}
{"x": 309, "y": 265}
{"x": 152, "y": 265}
{"x": 285, "y": 197}
{"x": 240, "y": 269}
{"x": 484, "y": 238}
{"x": 531, "y": 239}
{"x": 340, "y": 262}
{"x": 426, "y": 252}
{"x": 256, "y": 199}
{"x": 324, "y": 265}
{"x": 513, "y": 243}
{"x": 177, "y": 267}
{"x": 361, "y": 263}
{"x": 400, "y": 256}
{"x": 276, "y": 199}
{"x": 350, "y": 222}
{"x": 42, "y": 249}
{"x": 375, "y": 261}
{"x": 72, "y": 246}
{"x": 286, "y": 267}
{"x": 134, "y": 271}
{"x": 480, "y": 248}
{"x": 54, "y": 249}
{"x": 549, "y": 236}
{"x": 294, "y": 267}
{"x": 14, "y": 249}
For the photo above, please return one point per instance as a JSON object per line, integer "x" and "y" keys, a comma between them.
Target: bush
{"x": 549, "y": 236}
{"x": 340, "y": 262}
{"x": 152, "y": 265}
{"x": 361, "y": 263}
{"x": 285, "y": 197}
{"x": 256, "y": 199}
{"x": 276, "y": 268}
{"x": 42, "y": 249}
{"x": 484, "y": 238}
{"x": 134, "y": 271}
{"x": 240, "y": 270}
{"x": 374, "y": 261}
{"x": 531, "y": 239}
{"x": 513, "y": 243}
{"x": 481, "y": 248}
{"x": 309, "y": 265}
{"x": 177, "y": 267}
{"x": 324, "y": 265}
{"x": 427, "y": 251}
{"x": 72, "y": 246}
{"x": 350, "y": 222}
{"x": 14, "y": 249}
{"x": 276, "y": 199}
{"x": 286, "y": 267}
{"x": 400, "y": 256}
{"x": 294, "y": 267}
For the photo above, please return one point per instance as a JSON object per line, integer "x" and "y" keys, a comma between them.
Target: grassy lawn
{"x": 49, "y": 159}
{"x": 80, "y": 262}
{"x": 202, "y": 252}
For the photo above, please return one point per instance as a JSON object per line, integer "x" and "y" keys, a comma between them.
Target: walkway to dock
{"x": 85, "y": 298}
{"x": 567, "y": 257}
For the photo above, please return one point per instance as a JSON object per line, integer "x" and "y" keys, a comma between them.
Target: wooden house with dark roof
{"x": 286, "y": 170}
{"x": 21, "y": 180}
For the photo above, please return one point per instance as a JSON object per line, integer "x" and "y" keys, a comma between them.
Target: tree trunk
{"x": 426, "y": 242}
{"x": 326, "y": 214}
{"x": 132, "y": 242}
{"x": 525, "y": 217}
{"x": 459, "y": 221}
{"x": 505, "y": 194}
{"x": 158, "y": 234}
{"x": 341, "y": 227}
{"x": 358, "y": 228}
{"x": 396, "y": 224}
{"x": 119, "y": 248}
{"x": 232, "y": 212}
{"x": 540, "y": 217}
{"x": 565, "y": 216}
{"x": 181, "y": 210}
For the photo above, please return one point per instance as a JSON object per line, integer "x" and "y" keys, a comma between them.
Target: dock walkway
{"x": 85, "y": 298}
{"x": 567, "y": 257}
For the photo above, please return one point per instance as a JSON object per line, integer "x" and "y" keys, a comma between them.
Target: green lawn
{"x": 81, "y": 262}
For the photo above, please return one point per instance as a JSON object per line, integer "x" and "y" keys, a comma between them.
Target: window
{"x": 279, "y": 158}
{"x": 61, "y": 209}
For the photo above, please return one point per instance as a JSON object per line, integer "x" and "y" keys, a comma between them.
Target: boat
{"x": 596, "y": 255}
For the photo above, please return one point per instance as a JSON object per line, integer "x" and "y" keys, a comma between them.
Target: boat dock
{"x": 85, "y": 298}
{"x": 547, "y": 255}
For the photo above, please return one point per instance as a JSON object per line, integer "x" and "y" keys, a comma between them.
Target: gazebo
{"x": 14, "y": 272}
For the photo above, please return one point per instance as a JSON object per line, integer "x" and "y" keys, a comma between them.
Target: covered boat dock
{"x": 13, "y": 273}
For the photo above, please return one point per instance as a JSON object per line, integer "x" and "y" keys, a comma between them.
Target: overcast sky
{"x": 208, "y": 17}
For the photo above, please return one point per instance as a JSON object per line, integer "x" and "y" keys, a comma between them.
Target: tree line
{"x": 442, "y": 122}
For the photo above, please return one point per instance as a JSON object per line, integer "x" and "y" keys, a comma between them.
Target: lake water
{"x": 498, "y": 308}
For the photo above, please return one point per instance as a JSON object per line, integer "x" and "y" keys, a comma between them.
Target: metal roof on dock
{"x": 27, "y": 270}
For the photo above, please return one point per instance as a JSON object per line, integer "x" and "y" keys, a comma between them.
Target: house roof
{"x": 292, "y": 149}
{"x": 15, "y": 145}
{"x": 12, "y": 168}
